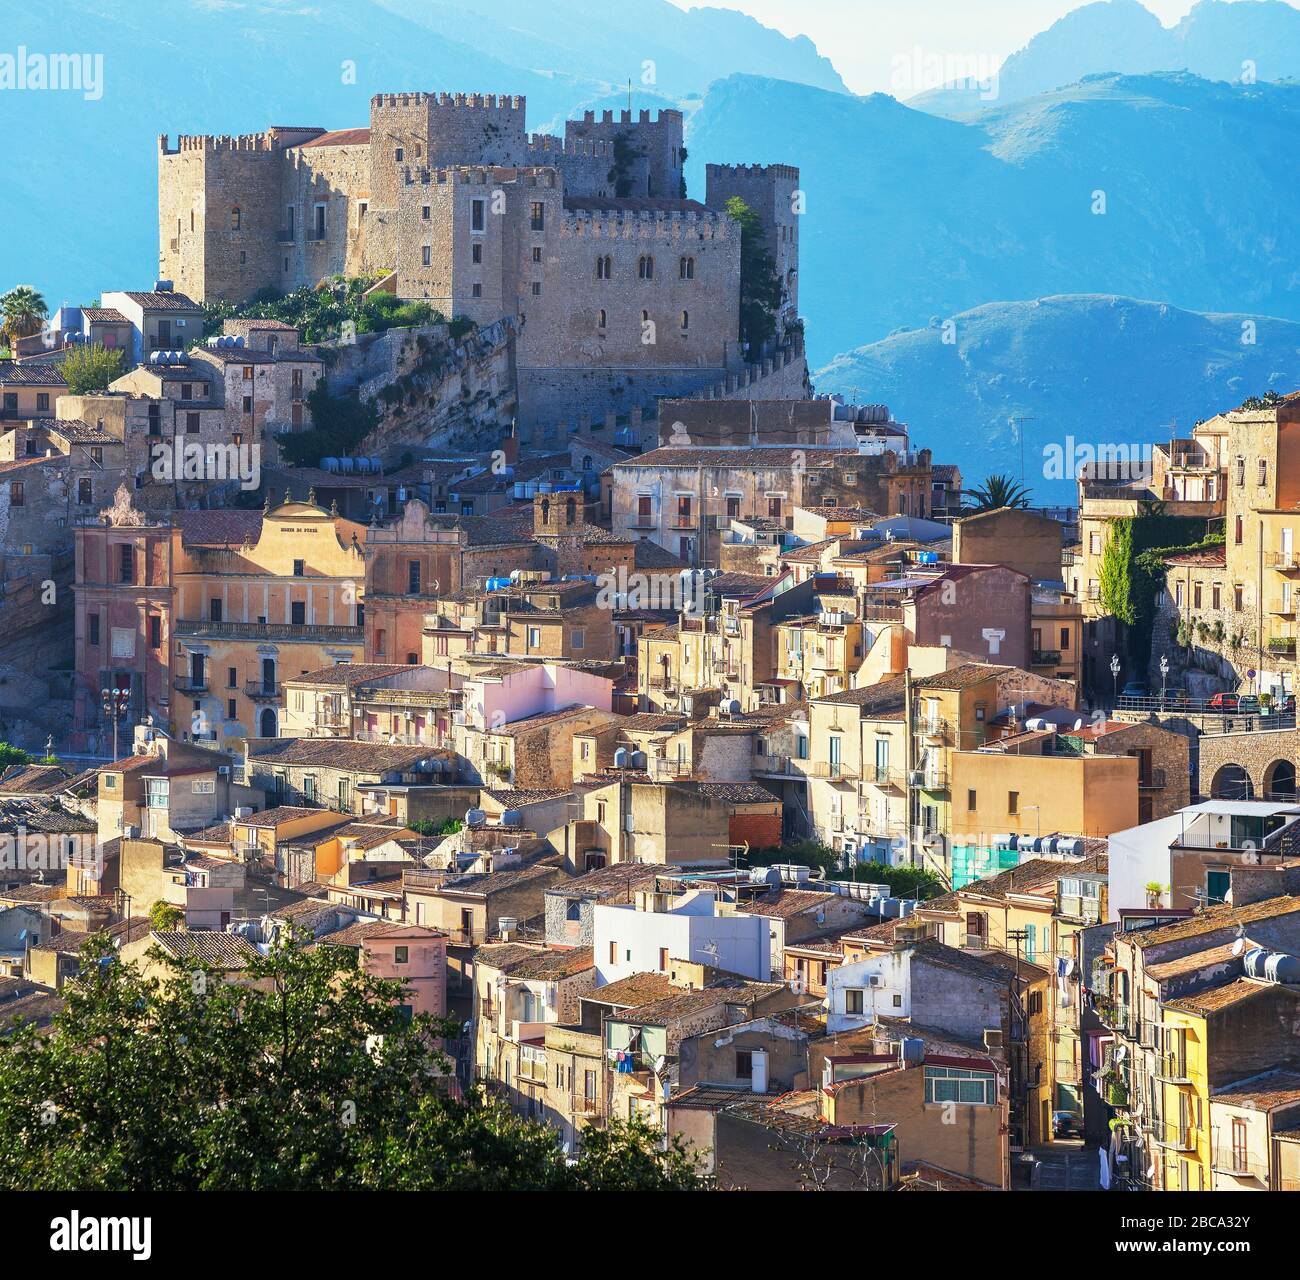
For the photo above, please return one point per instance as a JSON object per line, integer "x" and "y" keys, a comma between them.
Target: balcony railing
{"x": 1153, "y": 781}
{"x": 781, "y": 765}
{"x": 260, "y": 689}
{"x": 190, "y": 684}
{"x": 285, "y": 235}
{"x": 1225, "y": 1158}
{"x": 1173, "y": 1136}
{"x": 304, "y": 631}
{"x": 1045, "y": 658}
{"x": 835, "y": 770}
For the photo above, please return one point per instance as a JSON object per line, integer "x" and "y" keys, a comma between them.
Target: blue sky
{"x": 863, "y": 37}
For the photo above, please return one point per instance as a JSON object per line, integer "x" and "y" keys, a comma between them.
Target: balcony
{"x": 932, "y": 727}
{"x": 260, "y": 691}
{"x": 190, "y": 684}
{"x": 683, "y": 522}
{"x": 1153, "y": 781}
{"x": 302, "y": 631}
{"x": 1284, "y": 561}
{"x": 882, "y": 612}
{"x": 1045, "y": 658}
{"x": 582, "y": 1105}
{"x": 1238, "y": 1163}
{"x": 285, "y": 235}
{"x": 1171, "y": 1068}
{"x": 833, "y": 770}
{"x": 1173, "y": 1137}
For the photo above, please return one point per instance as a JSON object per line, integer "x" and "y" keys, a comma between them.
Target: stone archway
{"x": 1279, "y": 780}
{"x": 1232, "y": 782}
{"x": 268, "y": 723}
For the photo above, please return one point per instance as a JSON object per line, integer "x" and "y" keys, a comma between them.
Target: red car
{"x": 1224, "y": 702}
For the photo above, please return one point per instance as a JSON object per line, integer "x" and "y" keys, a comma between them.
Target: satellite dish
{"x": 1239, "y": 946}
{"x": 1151, "y": 1169}
{"x": 660, "y": 1062}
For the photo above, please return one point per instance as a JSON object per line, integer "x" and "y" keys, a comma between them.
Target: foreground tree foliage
{"x": 307, "y": 1074}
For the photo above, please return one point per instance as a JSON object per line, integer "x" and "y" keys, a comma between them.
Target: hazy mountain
{"x": 1241, "y": 40}
{"x": 911, "y": 216}
{"x": 1085, "y": 370}
{"x": 81, "y": 184}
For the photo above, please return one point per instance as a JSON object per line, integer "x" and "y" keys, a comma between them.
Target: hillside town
{"x": 704, "y": 751}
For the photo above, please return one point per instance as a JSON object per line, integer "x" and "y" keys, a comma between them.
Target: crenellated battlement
{"x": 480, "y": 175}
{"x": 551, "y": 144}
{"x": 753, "y": 172}
{"x": 212, "y": 144}
{"x": 668, "y": 224}
{"x": 666, "y": 116}
{"x": 456, "y": 101}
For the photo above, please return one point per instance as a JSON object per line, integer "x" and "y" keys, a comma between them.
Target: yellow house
{"x": 1180, "y": 1129}
{"x": 246, "y": 618}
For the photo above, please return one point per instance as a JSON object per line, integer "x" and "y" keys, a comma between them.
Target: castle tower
{"x": 647, "y": 152}
{"x": 433, "y": 130}
{"x": 772, "y": 191}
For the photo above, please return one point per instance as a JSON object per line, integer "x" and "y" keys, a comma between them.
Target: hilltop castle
{"x": 624, "y": 289}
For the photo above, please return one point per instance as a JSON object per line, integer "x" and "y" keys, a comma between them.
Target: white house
{"x": 856, "y": 994}
{"x": 643, "y": 937}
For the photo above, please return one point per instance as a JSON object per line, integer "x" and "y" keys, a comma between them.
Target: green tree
{"x": 339, "y": 424}
{"x": 760, "y": 282}
{"x": 310, "y": 1075}
{"x": 23, "y": 311}
{"x": 10, "y": 756}
{"x": 997, "y": 492}
{"x": 164, "y": 916}
{"x": 90, "y": 368}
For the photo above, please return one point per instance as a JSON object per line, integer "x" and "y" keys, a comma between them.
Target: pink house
{"x": 417, "y": 957}
{"x": 491, "y": 701}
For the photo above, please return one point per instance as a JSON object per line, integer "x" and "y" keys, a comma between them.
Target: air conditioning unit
{"x": 875, "y": 980}
{"x": 993, "y": 1039}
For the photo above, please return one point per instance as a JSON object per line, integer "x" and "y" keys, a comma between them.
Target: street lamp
{"x": 1114, "y": 677}
{"x": 1164, "y": 675}
{"x": 116, "y": 703}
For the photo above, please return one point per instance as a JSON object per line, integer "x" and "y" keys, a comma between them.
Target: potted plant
{"x": 1154, "y": 891}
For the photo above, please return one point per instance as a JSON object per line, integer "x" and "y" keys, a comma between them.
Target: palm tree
{"x": 997, "y": 492}
{"x": 24, "y": 313}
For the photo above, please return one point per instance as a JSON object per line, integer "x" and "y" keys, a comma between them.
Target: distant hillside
{"x": 911, "y": 216}
{"x": 81, "y": 181}
{"x": 1216, "y": 40}
{"x": 1100, "y": 369}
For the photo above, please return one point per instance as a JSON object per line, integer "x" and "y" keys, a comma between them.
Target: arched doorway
{"x": 1232, "y": 782}
{"x": 1279, "y": 780}
{"x": 268, "y": 722}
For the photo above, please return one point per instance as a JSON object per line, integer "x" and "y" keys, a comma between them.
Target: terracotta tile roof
{"x": 1221, "y": 917}
{"x": 30, "y": 778}
{"x": 30, "y": 374}
{"x": 532, "y": 964}
{"x": 103, "y": 315}
{"x": 225, "y": 949}
{"x": 340, "y": 753}
{"x": 279, "y": 813}
{"x": 166, "y": 301}
{"x": 1037, "y": 873}
{"x": 962, "y": 677}
{"x": 682, "y": 1003}
{"x": 786, "y": 903}
{"x": 347, "y": 673}
{"x": 338, "y": 138}
{"x": 650, "y": 555}
{"x": 1211, "y": 1001}
{"x": 882, "y": 697}
{"x": 228, "y": 527}
{"x": 1190, "y": 964}
{"x": 612, "y": 883}
{"x": 77, "y": 432}
{"x": 636, "y": 989}
{"x": 721, "y": 456}
{"x": 1265, "y": 1092}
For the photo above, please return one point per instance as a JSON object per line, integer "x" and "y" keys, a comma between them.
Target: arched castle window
{"x": 686, "y": 268}
{"x": 570, "y": 511}
{"x": 600, "y": 319}
{"x": 604, "y": 267}
{"x": 234, "y": 218}
{"x": 546, "y": 511}
{"x": 686, "y": 320}
{"x": 645, "y": 267}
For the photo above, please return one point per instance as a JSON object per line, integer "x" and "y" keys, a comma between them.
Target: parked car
{"x": 1224, "y": 702}
{"x": 1248, "y": 704}
{"x": 1286, "y": 706}
{"x": 1175, "y": 698}
{"x": 1067, "y": 1124}
{"x": 1134, "y": 689}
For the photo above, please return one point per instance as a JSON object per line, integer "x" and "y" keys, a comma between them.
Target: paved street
{"x": 1066, "y": 1166}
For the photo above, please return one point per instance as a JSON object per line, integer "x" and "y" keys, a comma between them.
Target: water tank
{"x": 474, "y": 817}
{"x": 621, "y": 758}
{"x": 163, "y": 286}
{"x": 511, "y": 818}
{"x": 1273, "y": 966}
{"x": 638, "y": 760}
